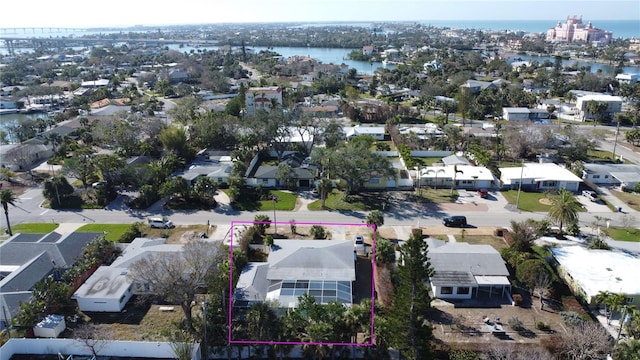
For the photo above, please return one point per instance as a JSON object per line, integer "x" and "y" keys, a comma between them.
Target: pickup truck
{"x": 590, "y": 194}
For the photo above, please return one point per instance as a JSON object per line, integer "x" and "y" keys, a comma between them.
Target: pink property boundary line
{"x": 230, "y": 306}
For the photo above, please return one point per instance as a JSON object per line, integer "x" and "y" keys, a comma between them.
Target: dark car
{"x": 457, "y": 221}
{"x": 484, "y": 193}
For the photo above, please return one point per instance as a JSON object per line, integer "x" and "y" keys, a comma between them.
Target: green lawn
{"x": 427, "y": 161}
{"x": 437, "y": 196}
{"x": 529, "y": 201}
{"x": 630, "y": 199}
{"x": 32, "y": 228}
{"x": 599, "y": 155}
{"x": 113, "y": 231}
{"x": 335, "y": 201}
{"x": 286, "y": 201}
{"x": 622, "y": 234}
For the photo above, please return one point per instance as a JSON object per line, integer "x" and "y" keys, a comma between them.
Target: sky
{"x": 125, "y": 13}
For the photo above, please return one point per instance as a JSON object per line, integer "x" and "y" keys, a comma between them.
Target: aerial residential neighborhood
{"x": 384, "y": 190}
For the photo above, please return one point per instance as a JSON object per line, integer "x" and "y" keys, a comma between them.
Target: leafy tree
{"x": 262, "y": 321}
{"x": 627, "y": 350}
{"x": 411, "y": 300}
{"x": 375, "y": 217}
{"x": 80, "y": 166}
{"x": 354, "y": 163}
{"x": 286, "y": 175}
{"x": 564, "y": 209}
{"x": 178, "y": 277}
{"x": 529, "y": 271}
{"x": 324, "y": 188}
{"x": 56, "y": 190}
{"x": 205, "y": 188}
{"x": 8, "y": 197}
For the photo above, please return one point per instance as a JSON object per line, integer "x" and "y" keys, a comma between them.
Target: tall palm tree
{"x": 8, "y": 197}
{"x": 455, "y": 175}
{"x": 564, "y": 209}
{"x": 324, "y": 187}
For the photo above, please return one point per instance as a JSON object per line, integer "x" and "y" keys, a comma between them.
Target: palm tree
{"x": 8, "y": 197}
{"x": 324, "y": 187}
{"x": 455, "y": 175}
{"x": 564, "y": 209}
{"x": 436, "y": 179}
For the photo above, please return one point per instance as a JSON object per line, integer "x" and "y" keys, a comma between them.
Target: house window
{"x": 264, "y": 181}
{"x": 220, "y": 180}
{"x": 629, "y": 300}
{"x": 606, "y": 176}
{"x": 122, "y": 298}
{"x": 464, "y": 290}
{"x": 446, "y": 290}
{"x": 596, "y": 176}
{"x": 549, "y": 183}
{"x": 374, "y": 181}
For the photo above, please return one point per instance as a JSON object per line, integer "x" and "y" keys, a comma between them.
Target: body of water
{"x": 625, "y": 29}
{"x": 7, "y": 120}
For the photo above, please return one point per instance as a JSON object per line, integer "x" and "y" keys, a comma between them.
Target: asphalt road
{"x": 401, "y": 213}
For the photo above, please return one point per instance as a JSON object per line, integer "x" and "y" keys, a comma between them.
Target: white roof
{"x": 599, "y": 97}
{"x": 538, "y": 172}
{"x": 468, "y": 172}
{"x": 600, "y": 270}
{"x": 363, "y": 130}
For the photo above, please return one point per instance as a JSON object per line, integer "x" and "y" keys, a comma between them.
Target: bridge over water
{"x": 14, "y": 42}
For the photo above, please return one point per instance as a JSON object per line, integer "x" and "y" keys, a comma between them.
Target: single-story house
{"x": 589, "y": 271}
{"x": 21, "y": 156}
{"x": 324, "y": 269}
{"x": 215, "y": 167}
{"x": 623, "y": 175}
{"x": 26, "y": 259}
{"x": 267, "y": 175}
{"x": 110, "y": 287}
{"x": 454, "y": 159}
{"x": 539, "y": 177}
{"x": 476, "y": 86}
{"x": 401, "y": 180}
{"x": 376, "y": 132}
{"x": 467, "y": 177}
{"x": 467, "y": 271}
{"x": 524, "y": 114}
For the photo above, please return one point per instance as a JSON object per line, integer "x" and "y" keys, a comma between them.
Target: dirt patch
{"x": 546, "y": 201}
{"x": 388, "y": 233}
{"x": 17, "y": 189}
{"x": 384, "y": 286}
{"x": 466, "y": 326}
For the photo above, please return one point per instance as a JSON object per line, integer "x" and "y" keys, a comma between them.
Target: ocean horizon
{"x": 624, "y": 29}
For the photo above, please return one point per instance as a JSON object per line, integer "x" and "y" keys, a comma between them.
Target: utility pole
{"x": 615, "y": 144}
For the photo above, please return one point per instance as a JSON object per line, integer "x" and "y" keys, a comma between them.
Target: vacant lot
{"x": 631, "y": 199}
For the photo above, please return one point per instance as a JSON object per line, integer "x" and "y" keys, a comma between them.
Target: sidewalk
{"x": 616, "y": 202}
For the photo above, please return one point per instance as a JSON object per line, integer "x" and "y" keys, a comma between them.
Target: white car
{"x": 158, "y": 223}
{"x": 358, "y": 245}
{"x": 591, "y": 195}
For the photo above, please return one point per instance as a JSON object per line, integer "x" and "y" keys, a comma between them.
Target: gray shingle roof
{"x": 312, "y": 260}
{"x": 460, "y": 278}
{"x": 464, "y": 257}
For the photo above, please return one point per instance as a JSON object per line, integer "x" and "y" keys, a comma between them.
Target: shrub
{"x": 542, "y": 326}
{"x": 317, "y": 232}
{"x": 515, "y": 323}
{"x": 571, "y": 318}
{"x": 133, "y": 232}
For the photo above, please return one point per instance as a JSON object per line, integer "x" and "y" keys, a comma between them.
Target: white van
{"x": 160, "y": 223}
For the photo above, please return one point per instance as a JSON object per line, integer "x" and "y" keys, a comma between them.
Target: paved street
{"x": 402, "y": 215}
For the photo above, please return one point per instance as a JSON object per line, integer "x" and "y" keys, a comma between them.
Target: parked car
{"x": 358, "y": 245}
{"x": 484, "y": 193}
{"x": 590, "y": 194}
{"x": 457, "y": 221}
{"x": 160, "y": 223}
